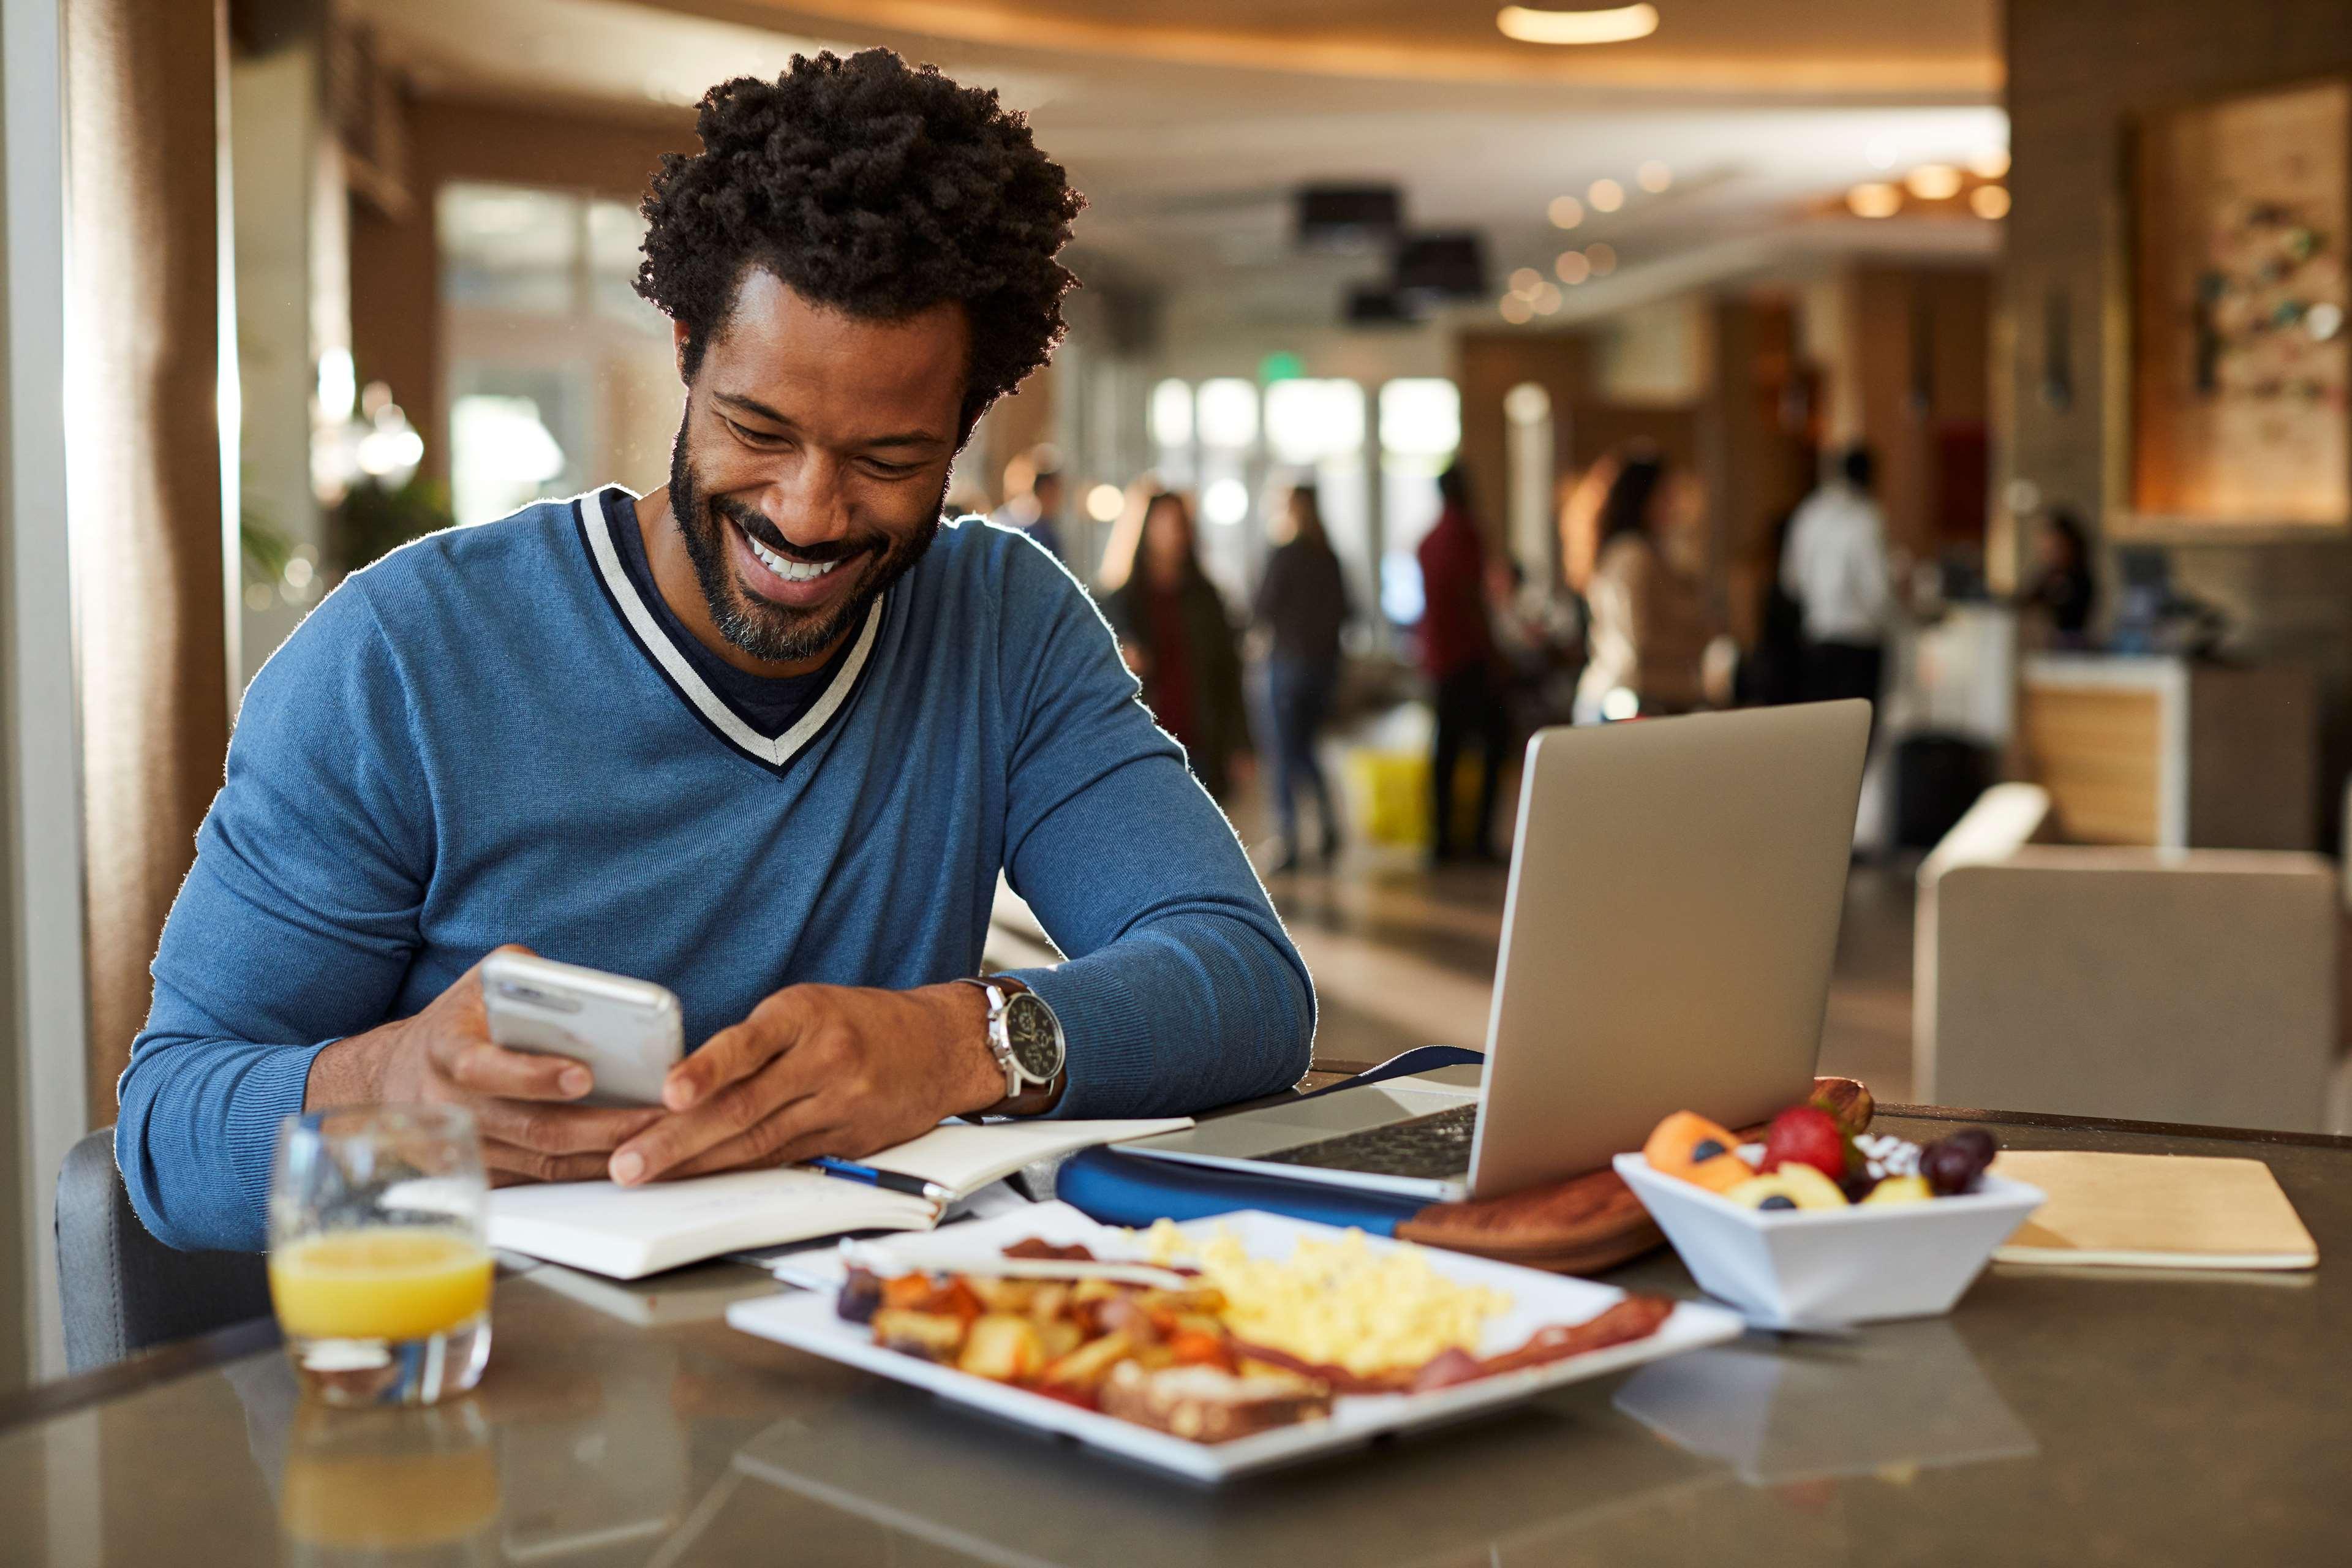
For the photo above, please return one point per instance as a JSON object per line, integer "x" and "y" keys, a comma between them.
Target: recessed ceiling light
{"x": 1517, "y": 310}
{"x": 1875, "y": 199}
{"x": 1526, "y": 281}
{"x": 1572, "y": 267}
{"x": 1603, "y": 259}
{"x": 1989, "y": 201}
{"x": 1934, "y": 181}
{"x": 1547, "y": 298}
{"x": 1567, "y": 211}
{"x": 1618, "y": 25}
{"x": 1654, "y": 176}
{"x": 1606, "y": 196}
{"x": 1990, "y": 162}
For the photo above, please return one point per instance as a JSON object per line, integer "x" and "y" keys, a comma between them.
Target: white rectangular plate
{"x": 805, "y": 1320}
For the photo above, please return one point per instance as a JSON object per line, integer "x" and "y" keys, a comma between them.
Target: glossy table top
{"x": 2053, "y": 1416}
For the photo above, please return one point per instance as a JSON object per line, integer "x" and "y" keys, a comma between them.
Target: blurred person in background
{"x": 1032, "y": 504}
{"x": 1648, "y": 629}
{"x": 1301, "y": 605}
{"x": 1177, "y": 637}
{"x": 1457, "y": 649}
{"x": 2064, "y": 590}
{"x": 1836, "y": 567}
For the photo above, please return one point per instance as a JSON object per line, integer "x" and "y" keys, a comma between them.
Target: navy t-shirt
{"x": 770, "y": 704}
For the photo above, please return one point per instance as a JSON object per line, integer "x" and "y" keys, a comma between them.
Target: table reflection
{"x": 413, "y": 1487}
{"x": 1893, "y": 1400}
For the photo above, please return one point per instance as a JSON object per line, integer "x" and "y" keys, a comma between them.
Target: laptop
{"x": 1675, "y": 896}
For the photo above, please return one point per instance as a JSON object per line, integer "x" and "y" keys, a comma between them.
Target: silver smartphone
{"x": 627, "y": 1032}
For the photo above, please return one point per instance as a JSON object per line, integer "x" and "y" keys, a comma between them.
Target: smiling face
{"x": 809, "y": 472}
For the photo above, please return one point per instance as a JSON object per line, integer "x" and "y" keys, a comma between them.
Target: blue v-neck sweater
{"x": 488, "y": 737}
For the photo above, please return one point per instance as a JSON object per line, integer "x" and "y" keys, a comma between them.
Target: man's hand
{"x": 445, "y": 1056}
{"x": 820, "y": 1070}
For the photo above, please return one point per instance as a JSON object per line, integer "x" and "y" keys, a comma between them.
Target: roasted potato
{"x": 1003, "y": 1347}
{"x": 934, "y": 1336}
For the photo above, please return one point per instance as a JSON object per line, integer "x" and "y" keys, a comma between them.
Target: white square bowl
{"x": 1793, "y": 1268}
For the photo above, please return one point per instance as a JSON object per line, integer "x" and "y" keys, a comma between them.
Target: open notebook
{"x": 626, "y": 1233}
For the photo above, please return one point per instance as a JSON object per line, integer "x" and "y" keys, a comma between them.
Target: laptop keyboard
{"x": 1435, "y": 1147}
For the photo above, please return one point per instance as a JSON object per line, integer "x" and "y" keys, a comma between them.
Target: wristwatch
{"x": 1026, "y": 1040}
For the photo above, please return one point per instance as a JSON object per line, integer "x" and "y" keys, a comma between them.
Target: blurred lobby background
{"x": 291, "y": 281}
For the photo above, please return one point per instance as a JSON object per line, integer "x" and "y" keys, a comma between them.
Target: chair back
{"x": 122, "y": 1290}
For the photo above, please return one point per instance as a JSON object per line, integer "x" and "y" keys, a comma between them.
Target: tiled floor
{"x": 1403, "y": 956}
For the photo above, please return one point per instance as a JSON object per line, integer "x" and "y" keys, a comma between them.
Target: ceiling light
{"x": 1526, "y": 281}
{"x": 1654, "y": 176}
{"x": 1547, "y": 298}
{"x": 1517, "y": 310}
{"x": 1880, "y": 152}
{"x": 1875, "y": 199}
{"x": 1989, "y": 201}
{"x": 1617, "y": 24}
{"x": 1567, "y": 211}
{"x": 1603, "y": 259}
{"x": 1606, "y": 196}
{"x": 1934, "y": 181}
{"x": 1572, "y": 268}
{"x": 1988, "y": 162}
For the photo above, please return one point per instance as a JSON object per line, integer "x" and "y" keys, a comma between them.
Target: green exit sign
{"x": 1280, "y": 365}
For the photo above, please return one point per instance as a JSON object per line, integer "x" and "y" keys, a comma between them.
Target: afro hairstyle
{"x": 875, "y": 188}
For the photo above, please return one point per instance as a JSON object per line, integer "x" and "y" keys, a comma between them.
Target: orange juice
{"x": 388, "y": 1283}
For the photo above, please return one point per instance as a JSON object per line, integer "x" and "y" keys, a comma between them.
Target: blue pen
{"x": 913, "y": 1186}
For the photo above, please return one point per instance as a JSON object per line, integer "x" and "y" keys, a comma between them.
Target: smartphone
{"x": 627, "y": 1032}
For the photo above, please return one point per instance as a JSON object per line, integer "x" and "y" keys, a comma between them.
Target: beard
{"x": 758, "y": 627}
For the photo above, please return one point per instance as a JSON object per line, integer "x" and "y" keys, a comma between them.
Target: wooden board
{"x": 2154, "y": 1211}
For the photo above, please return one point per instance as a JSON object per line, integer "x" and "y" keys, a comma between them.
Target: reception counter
{"x": 2172, "y": 753}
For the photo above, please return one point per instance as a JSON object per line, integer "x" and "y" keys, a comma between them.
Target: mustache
{"x": 761, "y": 529}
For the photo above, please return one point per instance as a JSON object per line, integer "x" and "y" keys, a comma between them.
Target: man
{"x": 1457, "y": 649}
{"x": 1034, "y": 505}
{"x": 766, "y": 735}
{"x": 1834, "y": 566}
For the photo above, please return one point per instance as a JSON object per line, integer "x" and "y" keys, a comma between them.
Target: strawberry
{"x": 1806, "y": 1135}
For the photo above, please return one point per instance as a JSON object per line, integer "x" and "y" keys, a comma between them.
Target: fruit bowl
{"x": 1801, "y": 1269}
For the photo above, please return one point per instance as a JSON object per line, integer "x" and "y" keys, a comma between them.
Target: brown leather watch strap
{"x": 1035, "y": 1099}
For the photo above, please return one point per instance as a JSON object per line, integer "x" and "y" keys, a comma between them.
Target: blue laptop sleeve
{"x": 1131, "y": 1190}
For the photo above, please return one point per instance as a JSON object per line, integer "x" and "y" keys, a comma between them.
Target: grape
{"x": 1956, "y": 1164}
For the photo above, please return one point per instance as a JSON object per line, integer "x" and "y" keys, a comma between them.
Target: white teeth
{"x": 790, "y": 571}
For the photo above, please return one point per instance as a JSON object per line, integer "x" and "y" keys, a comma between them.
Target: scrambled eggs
{"x": 1338, "y": 1302}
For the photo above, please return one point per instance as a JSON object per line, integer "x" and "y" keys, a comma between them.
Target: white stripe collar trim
{"x": 774, "y": 751}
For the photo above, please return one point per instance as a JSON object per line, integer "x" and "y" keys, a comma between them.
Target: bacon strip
{"x": 1634, "y": 1318}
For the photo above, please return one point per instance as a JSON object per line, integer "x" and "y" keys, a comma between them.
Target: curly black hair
{"x": 875, "y": 187}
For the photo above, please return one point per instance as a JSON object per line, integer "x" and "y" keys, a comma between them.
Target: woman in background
{"x": 1301, "y": 605}
{"x": 2063, "y": 588}
{"x": 1648, "y": 628}
{"x": 1176, "y": 635}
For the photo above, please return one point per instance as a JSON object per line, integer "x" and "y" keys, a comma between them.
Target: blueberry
{"x": 1777, "y": 1201}
{"x": 1705, "y": 1149}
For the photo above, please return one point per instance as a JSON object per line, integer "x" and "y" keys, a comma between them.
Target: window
{"x": 1421, "y": 426}
{"x": 1171, "y": 432}
{"x": 1224, "y": 419}
{"x": 1534, "y": 541}
{"x": 558, "y": 376}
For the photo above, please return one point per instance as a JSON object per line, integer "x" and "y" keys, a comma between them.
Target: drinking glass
{"x": 378, "y": 1267}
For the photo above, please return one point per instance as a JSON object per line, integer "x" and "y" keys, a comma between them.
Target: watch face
{"x": 1036, "y": 1041}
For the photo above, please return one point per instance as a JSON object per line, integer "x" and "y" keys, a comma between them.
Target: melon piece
{"x": 1792, "y": 1186}
{"x": 1689, "y": 1145}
